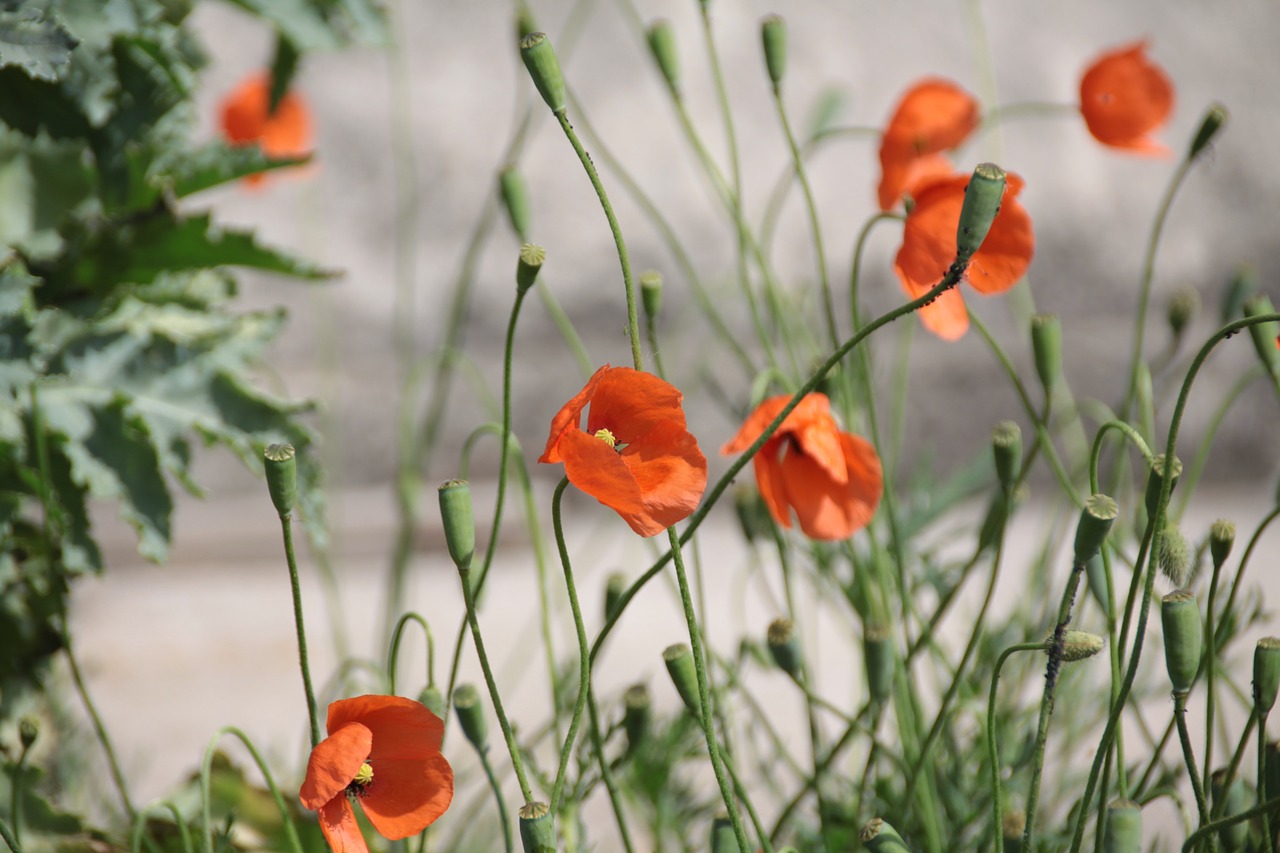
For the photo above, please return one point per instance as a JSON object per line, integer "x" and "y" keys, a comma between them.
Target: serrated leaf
{"x": 219, "y": 163}
{"x": 16, "y": 286}
{"x": 42, "y": 182}
{"x": 31, "y": 106}
{"x": 34, "y": 42}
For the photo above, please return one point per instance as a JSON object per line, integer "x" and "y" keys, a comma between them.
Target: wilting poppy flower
{"x": 929, "y": 247}
{"x": 383, "y": 751}
{"x": 1123, "y": 97}
{"x": 831, "y": 479}
{"x": 635, "y": 457}
{"x": 245, "y": 121}
{"x": 934, "y": 115}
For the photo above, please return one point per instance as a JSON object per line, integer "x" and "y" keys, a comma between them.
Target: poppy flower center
{"x": 607, "y": 437}
{"x": 363, "y": 779}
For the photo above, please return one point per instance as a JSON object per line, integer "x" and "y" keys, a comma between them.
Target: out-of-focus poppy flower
{"x": 245, "y": 121}
{"x": 929, "y": 247}
{"x": 934, "y": 115}
{"x": 635, "y": 457}
{"x": 1123, "y": 97}
{"x": 831, "y": 480}
{"x": 385, "y": 752}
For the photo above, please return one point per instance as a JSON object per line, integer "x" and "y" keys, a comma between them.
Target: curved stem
{"x": 140, "y": 825}
{"x": 393, "y": 654}
{"x": 286, "y": 530}
{"x": 206, "y": 769}
{"x": 504, "y": 816}
{"x": 1189, "y": 756}
{"x": 993, "y": 746}
{"x": 584, "y": 652}
{"x": 99, "y": 729}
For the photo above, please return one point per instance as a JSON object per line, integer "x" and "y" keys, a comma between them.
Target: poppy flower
{"x": 635, "y": 457}
{"x": 831, "y": 480}
{"x": 935, "y": 115}
{"x": 383, "y": 751}
{"x": 1123, "y": 97}
{"x": 245, "y": 121}
{"x": 929, "y": 247}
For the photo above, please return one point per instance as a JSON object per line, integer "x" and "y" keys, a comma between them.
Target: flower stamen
{"x": 607, "y": 437}
{"x": 363, "y": 779}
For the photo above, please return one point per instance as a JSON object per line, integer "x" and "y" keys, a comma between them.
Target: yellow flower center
{"x": 362, "y": 780}
{"x": 607, "y": 437}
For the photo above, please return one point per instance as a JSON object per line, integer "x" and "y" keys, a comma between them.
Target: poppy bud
{"x": 1182, "y": 309}
{"x": 723, "y": 839}
{"x": 1123, "y": 832}
{"x": 773, "y": 32}
{"x": 1006, "y": 445}
{"x": 1263, "y": 334}
{"x": 281, "y": 465}
{"x": 1266, "y": 674}
{"x": 753, "y": 515}
{"x": 999, "y": 511}
{"x": 515, "y": 198}
{"x": 1222, "y": 535}
{"x": 637, "y": 712}
{"x": 540, "y": 60}
{"x": 1046, "y": 346}
{"x": 1183, "y": 638}
{"x": 679, "y": 661}
{"x": 1240, "y": 288}
{"x": 1212, "y": 122}
{"x": 879, "y": 837}
{"x": 532, "y": 257}
{"x": 651, "y": 293}
{"x": 28, "y": 730}
{"x": 1174, "y": 557}
{"x": 1096, "y": 518}
{"x": 877, "y": 654}
{"x": 1012, "y": 825}
{"x": 662, "y": 44}
{"x": 1077, "y": 645}
{"x": 981, "y": 204}
{"x": 784, "y": 648}
{"x": 614, "y": 586}
{"x": 1096, "y": 573}
{"x": 1229, "y": 803}
{"x": 466, "y": 701}
{"x": 459, "y": 523}
{"x": 537, "y": 828}
{"x": 432, "y": 699}
{"x": 1155, "y": 479}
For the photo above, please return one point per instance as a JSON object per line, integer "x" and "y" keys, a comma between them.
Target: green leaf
{"x": 284, "y": 64}
{"x": 32, "y": 105}
{"x": 42, "y": 182}
{"x": 34, "y": 42}
{"x": 298, "y": 20}
{"x": 216, "y": 164}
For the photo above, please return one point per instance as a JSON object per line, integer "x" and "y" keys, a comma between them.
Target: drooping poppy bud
{"x": 1174, "y": 556}
{"x": 651, "y": 293}
{"x": 1183, "y": 308}
{"x": 981, "y": 204}
{"x": 281, "y": 465}
{"x": 723, "y": 839}
{"x": 1077, "y": 645}
{"x": 662, "y": 44}
{"x": 1212, "y": 122}
{"x": 1239, "y": 289}
{"x": 544, "y": 68}
{"x": 1266, "y": 674}
{"x": 532, "y": 257}
{"x": 784, "y": 648}
{"x": 466, "y": 702}
{"x": 879, "y": 837}
{"x": 637, "y": 712}
{"x": 753, "y": 515}
{"x": 1096, "y": 574}
{"x": 679, "y": 661}
{"x": 537, "y": 828}
{"x": 1006, "y": 446}
{"x": 1046, "y": 346}
{"x": 614, "y": 587}
{"x": 1155, "y": 480}
{"x": 28, "y": 730}
{"x": 1263, "y": 334}
{"x": 1183, "y": 638}
{"x": 1229, "y": 801}
{"x": 515, "y": 198}
{"x": 1123, "y": 830}
{"x": 459, "y": 521}
{"x": 1012, "y": 825}
{"x": 877, "y": 654}
{"x": 1096, "y": 518}
{"x": 1222, "y": 535}
{"x": 432, "y": 699}
{"x": 773, "y": 33}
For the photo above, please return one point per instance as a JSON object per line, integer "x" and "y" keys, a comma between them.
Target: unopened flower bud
{"x": 544, "y": 68}
{"x": 1006, "y": 446}
{"x": 1123, "y": 830}
{"x": 432, "y": 699}
{"x": 1155, "y": 479}
{"x": 537, "y": 828}
{"x": 1183, "y": 638}
{"x": 1212, "y": 122}
{"x": 784, "y": 648}
{"x": 662, "y": 44}
{"x": 753, "y": 515}
{"x": 1183, "y": 308}
{"x": 1242, "y": 285}
{"x": 679, "y": 661}
{"x": 1046, "y": 346}
{"x": 1077, "y": 645}
{"x": 515, "y": 198}
{"x": 637, "y": 712}
{"x": 1222, "y": 535}
{"x": 651, "y": 293}
{"x": 877, "y": 653}
{"x": 880, "y": 837}
{"x": 982, "y": 199}
{"x": 466, "y": 702}
{"x": 614, "y": 587}
{"x": 532, "y": 257}
{"x": 1263, "y": 334}
{"x": 1096, "y": 518}
{"x": 280, "y": 463}
{"x": 1229, "y": 802}
{"x": 28, "y": 730}
{"x": 723, "y": 839}
{"x": 1174, "y": 556}
{"x": 1266, "y": 674}
{"x": 773, "y": 32}
{"x": 459, "y": 522}
{"x": 1096, "y": 574}
{"x": 1012, "y": 825}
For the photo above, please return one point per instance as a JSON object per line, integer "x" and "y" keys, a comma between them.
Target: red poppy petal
{"x": 597, "y": 469}
{"x": 630, "y": 403}
{"x": 814, "y": 406}
{"x": 406, "y": 797}
{"x": 569, "y": 418}
{"x": 1006, "y": 253}
{"x": 830, "y": 510}
{"x": 1123, "y": 97}
{"x": 334, "y": 763}
{"x": 933, "y": 116}
{"x": 947, "y": 316}
{"x": 288, "y": 130}
{"x": 338, "y": 823}
{"x": 769, "y": 480}
{"x": 402, "y": 728}
{"x": 820, "y": 441}
{"x": 244, "y": 111}
{"x": 671, "y": 473}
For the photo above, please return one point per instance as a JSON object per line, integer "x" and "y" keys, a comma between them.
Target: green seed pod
{"x": 459, "y": 522}
{"x": 637, "y": 713}
{"x": 1263, "y": 334}
{"x": 28, "y": 730}
{"x": 773, "y": 32}
{"x": 651, "y": 293}
{"x": 723, "y": 839}
{"x": 1123, "y": 831}
{"x": 280, "y": 463}
{"x": 1266, "y": 674}
{"x": 1222, "y": 535}
{"x": 1006, "y": 446}
{"x": 1183, "y": 308}
{"x": 1155, "y": 479}
{"x": 1174, "y": 557}
{"x": 1242, "y": 285}
{"x": 1234, "y": 799}
{"x": 614, "y": 586}
{"x": 982, "y": 199}
{"x": 1046, "y": 346}
{"x": 515, "y": 198}
{"x": 1212, "y": 122}
{"x": 1077, "y": 645}
{"x": 537, "y": 828}
{"x": 432, "y": 699}
{"x": 466, "y": 702}
{"x": 1183, "y": 638}
{"x": 679, "y": 661}
{"x": 1012, "y": 825}
{"x": 532, "y": 257}
{"x": 540, "y": 59}
{"x": 1096, "y": 573}
{"x": 879, "y": 837}
{"x": 662, "y": 44}
{"x": 784, "y": 648}
{"x": 877, "y": 651}
{"x": 1096, "y": 518}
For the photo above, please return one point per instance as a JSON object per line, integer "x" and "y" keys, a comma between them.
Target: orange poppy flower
{"x": 831, "y": 479}
{"x": 935, "y": 115}
{"x": 635, "y": 457}
{"x": 1123, "y": 97}
{"x": 245, "y": 121}
{"x": 385, "y": 752}
{"x": 929, "y": 247}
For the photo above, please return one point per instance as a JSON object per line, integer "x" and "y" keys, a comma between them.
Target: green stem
{"x": 140, "y": 825}
{"x": 1248, "y": 814}
{"x": 606, "y": 774}
{"x": 393, "y": 655}
{"x": 584, "y": 651}
{"x": 17, "y": 782}
{"x": 993, "y": 746}
{"x": 1268, "y": 839}
{"x": 206, "y": 771}
{"x": 286, "y": 530}
{"x": 7, "y": 834}
{"x": 504, "y": 816}
{"x": 1189, "y": 757}
{"x": 99, "y": 729}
